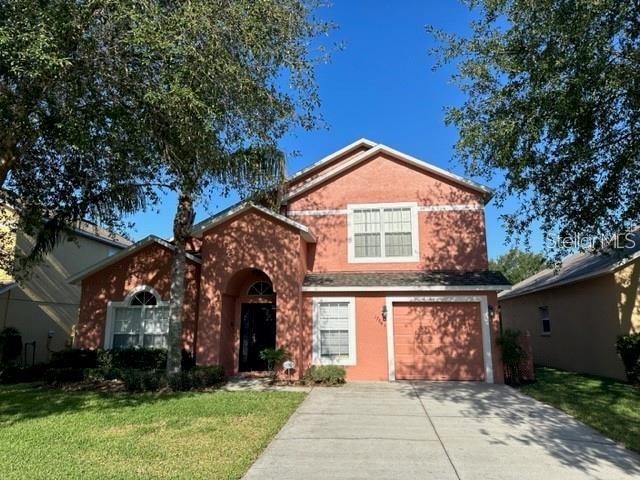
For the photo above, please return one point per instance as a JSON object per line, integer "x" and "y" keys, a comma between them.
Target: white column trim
{"x": 484, "y": 320}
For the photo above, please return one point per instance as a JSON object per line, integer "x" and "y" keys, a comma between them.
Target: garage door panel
{"x": 438, "y": 341}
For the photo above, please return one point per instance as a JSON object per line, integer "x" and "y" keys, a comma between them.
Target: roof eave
{"x": 514, "y": 293}
{"x": 242, "y": 207}
{"x": 314, "y": 166}
{"x": 104, "y": 263}
{"x": 486, "y": 192}
{"x": 403, "y": 288}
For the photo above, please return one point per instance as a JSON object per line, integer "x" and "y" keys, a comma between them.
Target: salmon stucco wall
{"x": 150, "y": 266}
{"x": 448, "y": 239}
{"x": 371, "y": 333}
{"x": 230, "y": 252}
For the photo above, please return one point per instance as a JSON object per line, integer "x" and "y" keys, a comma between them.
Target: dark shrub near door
{"x": 628, "y": 347}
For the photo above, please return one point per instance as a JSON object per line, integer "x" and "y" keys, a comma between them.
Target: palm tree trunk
{"x": 182, "y": 223}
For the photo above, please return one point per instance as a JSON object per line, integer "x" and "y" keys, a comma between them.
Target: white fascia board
{"x": 486, "y": 191}
{"x": 362, "y": 142}
{"x": 414, "y": 288}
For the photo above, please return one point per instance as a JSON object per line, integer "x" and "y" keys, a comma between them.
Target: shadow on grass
{"x": 29, "y": 401}
{"x": 508, "y": 417}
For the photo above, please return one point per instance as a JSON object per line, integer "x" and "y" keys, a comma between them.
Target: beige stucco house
{"x": 575, "y": 314}
{"x": 44, "y": 308}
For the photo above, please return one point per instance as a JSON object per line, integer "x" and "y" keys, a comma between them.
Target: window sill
{"x": 384, "y": 259}
{"x": 545, "y": 334}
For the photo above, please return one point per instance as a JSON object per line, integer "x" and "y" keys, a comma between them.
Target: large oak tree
{"x": 552, "y": 105}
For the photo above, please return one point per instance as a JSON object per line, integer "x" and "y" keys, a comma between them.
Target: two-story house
{"x": 44, "y": 307}
{"x": 376, "y": 261}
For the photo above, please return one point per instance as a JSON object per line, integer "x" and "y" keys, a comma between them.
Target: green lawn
{"x": 607, "y": 405}
{"x": 47, "y": 433}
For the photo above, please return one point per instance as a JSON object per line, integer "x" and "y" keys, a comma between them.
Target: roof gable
{"x": 240, "y": 208}
{"x": 314, "y": 167}
{"x": 402, "y": 157}
{"x": 136, "y": 247}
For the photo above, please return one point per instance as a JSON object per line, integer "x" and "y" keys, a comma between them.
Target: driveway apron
{"x": 437, "y": 430}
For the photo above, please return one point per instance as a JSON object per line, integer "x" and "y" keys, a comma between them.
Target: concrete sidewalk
{"x": 437, "y": 430}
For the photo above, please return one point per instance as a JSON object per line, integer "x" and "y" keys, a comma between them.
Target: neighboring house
{"x": 575, "y": 314}
{"x": 44, "y": 308}
{"x": 376, "y": 261}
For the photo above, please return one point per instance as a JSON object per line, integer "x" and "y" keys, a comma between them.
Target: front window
{"x": 383, "y": 232}
{"x": 140, "y": 321}
{"x": 334, "y": 335}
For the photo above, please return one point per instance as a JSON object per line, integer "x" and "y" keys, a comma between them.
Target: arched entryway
{"x": 253, "y": 317}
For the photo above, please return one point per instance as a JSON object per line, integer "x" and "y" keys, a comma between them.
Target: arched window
{"x": 141, "y": 320}
{"x": 143, "y": 298}
{"x": 260, "y": 288}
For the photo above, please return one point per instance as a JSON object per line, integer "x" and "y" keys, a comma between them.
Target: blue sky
{"x": 380, "y": 86}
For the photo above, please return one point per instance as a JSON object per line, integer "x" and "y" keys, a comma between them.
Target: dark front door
{"x": 257, "y": 332}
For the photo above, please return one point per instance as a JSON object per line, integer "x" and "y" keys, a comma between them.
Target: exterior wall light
{"x": 384, "y": 312}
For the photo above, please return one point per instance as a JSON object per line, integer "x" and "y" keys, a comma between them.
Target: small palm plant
{"x": 273, "y": 357}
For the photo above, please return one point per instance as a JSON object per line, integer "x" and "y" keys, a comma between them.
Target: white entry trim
{"x": 484, "y": 317}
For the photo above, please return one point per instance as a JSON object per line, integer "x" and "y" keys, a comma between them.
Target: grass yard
{"x": 607, "y": 405}
{"x": 47, "y": 433}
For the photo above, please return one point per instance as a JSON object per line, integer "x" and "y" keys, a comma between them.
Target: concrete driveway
{"x": 437, "y": 430}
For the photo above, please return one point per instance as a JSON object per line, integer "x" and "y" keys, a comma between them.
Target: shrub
{"x": 628, "y": 347}
{"x": 136, "y": 380}
{"x": 10, "y": 345}
{"x": 512, "y": 355}
{"x": 74, "y": 358}
{"x": 56, "y": 376}
{"x": 274, "y": 356}
{"x": 198, "y": 377}
{"x": 325, "y": 375}
{"x": 132, "y": 358}
{"x": 15, "y": 374}
{"x": 188, "y": 360}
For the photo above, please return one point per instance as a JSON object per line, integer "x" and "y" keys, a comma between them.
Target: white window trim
{"x": 112, "y": 306}
{"x": 316, "y": 358}
{"x": 415, "y": 244}
{"x": 484, "y": 318}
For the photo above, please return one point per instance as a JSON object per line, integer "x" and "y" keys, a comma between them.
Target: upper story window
{"x": 383, "y": 233}
{"x": 260, "y": 288}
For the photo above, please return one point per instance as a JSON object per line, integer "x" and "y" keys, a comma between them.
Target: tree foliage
{"x": 552, "y": 103}
{"x": 218, "y": 83}
{"x": 517, "y": 265}
{"x": 70, "y": 146}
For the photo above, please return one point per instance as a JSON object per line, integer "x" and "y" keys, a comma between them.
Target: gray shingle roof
{"x": 577, "y": 267}
{"x": 405, "y": 279}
